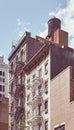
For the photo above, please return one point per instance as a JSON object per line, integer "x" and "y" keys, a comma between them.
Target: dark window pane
{"x": 40, "y": 90}
{"x": 0, "y": 72}
{"x": 3, "y": 88}
{"x": 46, "y": 107}
{"x": 46, "y": 125}
{"x": 46, "y": 86}
{"x": 0, "y": 79}
{"x": 0, "y": 95}
{"x": 3, "y": 80}
{"x": 0, "y": 87}
{"x": 40, "y": 109}
{"x": 3, "y": 73}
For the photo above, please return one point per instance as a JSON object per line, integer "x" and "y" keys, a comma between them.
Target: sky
{"x": 19, "y": 16}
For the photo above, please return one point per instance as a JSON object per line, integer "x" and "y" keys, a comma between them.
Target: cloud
{"x": 44, "y": 33}
{"x": 22, "y": 27}
{"x": 66, "y": 15}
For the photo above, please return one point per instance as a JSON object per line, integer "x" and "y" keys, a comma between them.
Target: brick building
{"x": 3, "y": 94}
{"x": 41, "y": 81}
{"x": 4, "y": 102}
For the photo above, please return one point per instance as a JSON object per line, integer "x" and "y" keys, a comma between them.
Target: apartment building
{"x": 19, "y": 56}
{"x": 38, "y": 70}
{"x": 37, "y": 102}
{"x": 3, "y": 78}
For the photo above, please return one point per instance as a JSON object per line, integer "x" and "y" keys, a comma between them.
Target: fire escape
{"x": 35, "y": 101}
{"x": 37, "y": 86}
{"x": 19, "y": 100}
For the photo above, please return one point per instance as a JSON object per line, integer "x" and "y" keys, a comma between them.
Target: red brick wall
{"x": 3, "y": 126}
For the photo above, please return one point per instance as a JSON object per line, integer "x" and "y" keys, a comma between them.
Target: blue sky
{"x": 18, "y": 16}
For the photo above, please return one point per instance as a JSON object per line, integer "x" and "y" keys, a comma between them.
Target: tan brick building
{"x": 62, "y": 102}
{"x": 4, "y": 102}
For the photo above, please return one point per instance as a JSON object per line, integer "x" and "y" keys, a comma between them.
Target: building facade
{"x": 4, "y": 102}
{"x": 3, "y": 78}
{"x": 20, "y": 55}
{"x": 37, "y": 94}
{"x": 62, "y": 103}
{"x": 35, "y": 67}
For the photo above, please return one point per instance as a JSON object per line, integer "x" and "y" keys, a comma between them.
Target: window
{"x": 0, "y": 72}
{"x": 0, "y": 95}
{"x": 0, "y": 79}
{"x": 3, "y": 88}
{"x": 46, "y": 106}
{"x": 60, "y": 128}
{"x": 46, "y": 86}
{"x": 11, "y": 89}
{"x": 12, "y": 106}
{"x": 46, "y": 68}
{"x": 0, "y": 87}
{"x": 33, "y": 93}
{"x": 28, "y": 97}
{"x": 28, "y": 114}
{"x": 22, "y": 78}
{"x": 33, "y": 76}
{"x": 40, "y": 109}
{"x": 3, "y": 73}
{"x": 3, "y": 80}
{"x": 40, "y": 90}
{"x": 46, "y": 125}
{"x": 40, "y": 72}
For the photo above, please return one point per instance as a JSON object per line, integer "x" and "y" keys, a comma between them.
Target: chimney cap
{"x": 53, "y": 19}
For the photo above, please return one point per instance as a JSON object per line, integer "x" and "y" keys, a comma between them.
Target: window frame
{"x": 46, "y": 67}
{"x": 46, "y": 125}
{"x": 46, "y": 86}
{"x": 46, "y": 106}
{"x": 0, "y": 73}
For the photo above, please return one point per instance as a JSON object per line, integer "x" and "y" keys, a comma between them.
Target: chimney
{"x": 55, "y": 34}
{"x": 28, "y": 34}
{"x": 53, "y": 25}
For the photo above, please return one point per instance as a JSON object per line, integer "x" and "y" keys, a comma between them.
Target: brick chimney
{"x": 55, "y": 33}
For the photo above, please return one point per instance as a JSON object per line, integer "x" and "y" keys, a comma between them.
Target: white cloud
{"x": 22, "y": 27}
{"x": 66, "y": 15}
{"x": 44, "y": 33}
